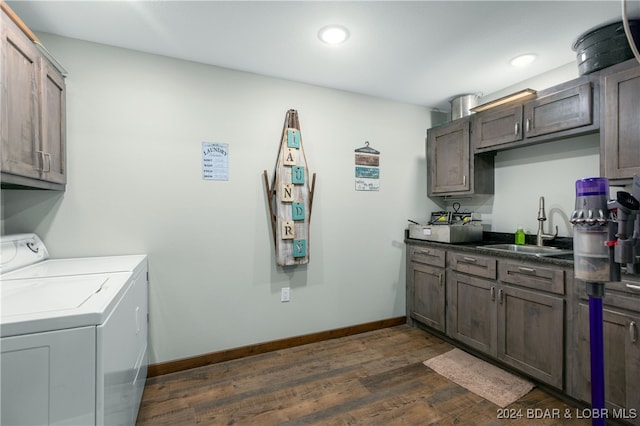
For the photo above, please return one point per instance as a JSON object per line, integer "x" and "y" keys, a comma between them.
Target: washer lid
{"x": 24, "y": 297}
{"x": 78, "y": 266}
{"x": 46, "y": 304}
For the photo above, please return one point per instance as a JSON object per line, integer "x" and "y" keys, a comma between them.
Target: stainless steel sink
{"x": 529, "y": 249}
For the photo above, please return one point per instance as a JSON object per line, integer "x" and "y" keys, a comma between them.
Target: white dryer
{"x": 73, "y": 336}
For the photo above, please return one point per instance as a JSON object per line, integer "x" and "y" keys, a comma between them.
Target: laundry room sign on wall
{"x": 290, "y": 196}
{"x": 367, "y": 168}
{"x": 215, "y": 161}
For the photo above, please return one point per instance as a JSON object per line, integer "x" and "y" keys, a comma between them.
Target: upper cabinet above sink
{"x": 460, "y": 154}
{"x": 566, "y": 110}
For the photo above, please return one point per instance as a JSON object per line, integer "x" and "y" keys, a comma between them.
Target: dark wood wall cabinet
{"x": 459, "y": 153}
{"x": 530, "y": 315}
{"x": 620, "y": 134}
{"x": 559, "y": 112}
{"x": 32, "y": 123}
{"x": 453, "y": 170}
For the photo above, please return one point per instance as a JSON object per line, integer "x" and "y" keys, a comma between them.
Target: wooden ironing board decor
{"x": 290, "y": 197}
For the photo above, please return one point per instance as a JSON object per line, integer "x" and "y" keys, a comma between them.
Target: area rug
{"x": 480, "y": 377}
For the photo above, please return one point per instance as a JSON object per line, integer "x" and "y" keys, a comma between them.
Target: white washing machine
{"x": 73, "y": 336}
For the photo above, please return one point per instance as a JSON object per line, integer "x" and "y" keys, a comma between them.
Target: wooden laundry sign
{"x": 290, "y": 197}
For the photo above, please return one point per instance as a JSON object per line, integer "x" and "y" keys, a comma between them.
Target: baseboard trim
{"x": 260, "y": 348}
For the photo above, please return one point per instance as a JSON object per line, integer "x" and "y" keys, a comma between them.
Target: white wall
{"x": 135, "y": 125}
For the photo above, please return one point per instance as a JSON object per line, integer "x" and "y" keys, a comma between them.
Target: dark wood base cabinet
{"x": 621, "y": 318}
{"x": 621, "y": 358}
{"x": 530, "y": 315}
{"x": 426, "y": 289}
{"x": 519, "y": 324}
{"x": 508, "y": 310}
{"x": 471, "y": 313}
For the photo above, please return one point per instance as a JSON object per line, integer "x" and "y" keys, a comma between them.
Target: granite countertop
{"x": 502, "y": 238}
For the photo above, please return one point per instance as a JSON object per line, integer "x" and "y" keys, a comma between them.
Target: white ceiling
{"x": 421, "y": 52}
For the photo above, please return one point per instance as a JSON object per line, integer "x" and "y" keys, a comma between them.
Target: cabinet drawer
{"x": 630, "y": 284}
{"x": 475, "y": 265}
{"x": 428, "y": 256}
{"x": 533, "y": 276}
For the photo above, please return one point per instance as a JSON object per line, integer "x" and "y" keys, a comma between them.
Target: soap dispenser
{"x": 519, "y": 236}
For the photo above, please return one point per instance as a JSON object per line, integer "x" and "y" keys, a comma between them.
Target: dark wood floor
{"x": 373, "y": 378}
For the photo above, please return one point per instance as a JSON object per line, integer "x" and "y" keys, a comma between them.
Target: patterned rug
{"x": 480, "y": 377}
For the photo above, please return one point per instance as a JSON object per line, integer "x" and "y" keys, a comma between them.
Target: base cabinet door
{"x": 429, "y": 296}
{"x": 472, "y": 316}
{"x": 621, "y": 361}
{"x": 530, "y": 333}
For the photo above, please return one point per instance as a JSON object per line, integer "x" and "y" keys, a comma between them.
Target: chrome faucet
{"x": 542, "y": 217}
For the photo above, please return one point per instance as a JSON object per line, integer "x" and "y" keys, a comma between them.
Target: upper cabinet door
{"x": 567, "y": 109}
{"x": 497, "y": 127}
{"x": 32, "y": 114}
{"x": 448, "y": 149}
{"x": 20, "y": 119}
{"x": 53, "y": 108}
{"x": 620, "y": 136}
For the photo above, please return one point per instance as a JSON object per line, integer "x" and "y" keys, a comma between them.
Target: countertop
{"x": 501, "y": 238}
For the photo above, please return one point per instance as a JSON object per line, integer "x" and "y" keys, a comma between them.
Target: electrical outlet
{"x": 285, "y": 294}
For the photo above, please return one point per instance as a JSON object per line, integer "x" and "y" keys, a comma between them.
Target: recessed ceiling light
{"x": 333, "y": 34}
{"x": 523, "y": 60}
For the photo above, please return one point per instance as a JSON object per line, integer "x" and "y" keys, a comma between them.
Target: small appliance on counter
{"x": 448, "y": 227}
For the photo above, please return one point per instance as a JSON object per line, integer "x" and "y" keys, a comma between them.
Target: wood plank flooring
{"x": 373, "y": 378}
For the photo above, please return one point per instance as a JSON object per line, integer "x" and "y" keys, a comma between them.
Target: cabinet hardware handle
{"x": 440, "y": 279}
{"x": 493, "y": 294}
{"x": 470, "y": 259}
{"x": 632, "y": 331}
{"x": 500, "y": 296}
{"x": 48, "y": 157}
{"x": 41, "y": 166}
{"x": 425, "y": 252}
{"x": 464, "y": 180}
{"x": 633, "y": 287}
{"x": 517, "y": 127}
{"x": 528, "y": 125}
{"x": 526, "y": 270}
